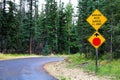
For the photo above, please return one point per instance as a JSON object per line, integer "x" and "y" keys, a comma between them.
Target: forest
{"x": 57, "y": 28}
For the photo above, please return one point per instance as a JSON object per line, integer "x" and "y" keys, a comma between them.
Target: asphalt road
{"x": 26, "y": 69}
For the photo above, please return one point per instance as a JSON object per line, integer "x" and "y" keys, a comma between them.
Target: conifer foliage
{"x": 56, "y": 28}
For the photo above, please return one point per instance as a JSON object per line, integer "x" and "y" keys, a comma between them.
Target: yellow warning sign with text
{"x": 96, "y": 19}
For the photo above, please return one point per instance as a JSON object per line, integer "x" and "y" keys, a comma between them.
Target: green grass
{"x": 106, "y": 68}
{"x": 12, "y": 56}
{"x": 63, "y": 78}
{"x": 16, "y": 55}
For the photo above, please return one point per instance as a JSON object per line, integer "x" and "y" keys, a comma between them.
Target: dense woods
{"x": 57, "y": 28}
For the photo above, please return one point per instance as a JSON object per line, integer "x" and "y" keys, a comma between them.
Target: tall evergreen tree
{"x": 8, "y": 28}
{"x": 51, "y": 24}
{"x": 69, "y": 12}
{"x": 61, "y": 28}
{"x": 111, "y": 11}
{"x": 85, "y": 8}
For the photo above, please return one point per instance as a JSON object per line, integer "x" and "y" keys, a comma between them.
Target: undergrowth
{"x": 105, "y": 68}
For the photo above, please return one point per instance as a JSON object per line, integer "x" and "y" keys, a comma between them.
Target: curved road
{"x": 26, "y": 69}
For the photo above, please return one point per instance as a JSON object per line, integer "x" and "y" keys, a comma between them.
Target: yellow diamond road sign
{"x": 96, "y": 19}
{"x": 96, "y": 39}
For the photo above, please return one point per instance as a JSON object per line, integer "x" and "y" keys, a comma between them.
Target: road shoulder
{"x": 59, "y": 70}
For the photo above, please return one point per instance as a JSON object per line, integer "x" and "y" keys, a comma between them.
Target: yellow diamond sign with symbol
{"x": 96, "y": 19}
{"x": 96, "y": 39}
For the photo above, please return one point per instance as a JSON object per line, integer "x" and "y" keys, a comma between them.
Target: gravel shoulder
{"x": 59, "y": 70}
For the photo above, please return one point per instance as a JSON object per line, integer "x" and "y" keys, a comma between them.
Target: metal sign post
{"x": 96, "y": 63}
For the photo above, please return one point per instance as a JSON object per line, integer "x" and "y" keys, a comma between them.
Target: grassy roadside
{"x": 106, "y": 68}
{"x": 13, "y": 56}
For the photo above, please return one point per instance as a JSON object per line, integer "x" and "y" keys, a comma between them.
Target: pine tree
{"x": 85, "y": 8}
{"x": 111, "y": 29}
{"x": 69, "y": 12}
{"x": 8, "y": 27}
{"x": 51, "y": 24}
{"x": 61, "y": 28}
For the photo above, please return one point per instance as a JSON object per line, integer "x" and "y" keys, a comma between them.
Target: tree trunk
{"x": 4, "y": 6}
{"x": 111, "y": 36}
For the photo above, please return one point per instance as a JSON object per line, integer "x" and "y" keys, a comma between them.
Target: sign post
{"x": 96, "y": 20}
{"x": 96, "y": 61}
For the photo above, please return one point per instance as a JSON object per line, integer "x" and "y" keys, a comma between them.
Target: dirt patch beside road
{"x": 58, "y": 70}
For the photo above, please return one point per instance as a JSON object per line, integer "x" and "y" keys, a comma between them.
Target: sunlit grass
{"x": 12, "y": 56}
{"x": 105, "y": 68}
{"x": 17, "y": 55}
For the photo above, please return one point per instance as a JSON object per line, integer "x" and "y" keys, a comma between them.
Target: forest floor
{"x": 62, "y": 72}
